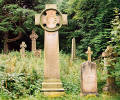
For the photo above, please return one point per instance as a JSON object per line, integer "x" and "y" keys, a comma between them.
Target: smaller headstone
{"x": 33, "y": 37}
{"x": 73, "y": 50}
{"x": 22, "y": 50}
{"x": 88, "y": 76}
{"x": 37, "y": 53}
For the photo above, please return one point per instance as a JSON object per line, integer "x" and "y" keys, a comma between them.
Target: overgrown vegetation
{"x": 93, "y": 23}
{"x": 22, "y": 77}
{"x": 88, "y": 21}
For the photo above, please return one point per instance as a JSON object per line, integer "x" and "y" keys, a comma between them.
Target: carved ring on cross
{"x": 51, "y": 19}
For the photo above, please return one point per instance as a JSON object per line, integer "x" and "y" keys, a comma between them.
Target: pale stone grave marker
{"x": 88, "y": 76}
{"x": 22, "y": 50}
{"x": 73, "y": 50}
{"x": 51, "y": 20}
{"x": 37, "y": 53}
{"x": 89, "y": 52}
{"x": 109, "y": 58}
{"x": 33, "y": 37}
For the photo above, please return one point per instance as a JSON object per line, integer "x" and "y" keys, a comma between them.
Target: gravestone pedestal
{"x": 52, "y": 88}
{"x": 88, "y": 78}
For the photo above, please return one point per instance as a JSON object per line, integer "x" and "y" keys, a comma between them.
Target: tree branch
{"x": 16, "y": 38}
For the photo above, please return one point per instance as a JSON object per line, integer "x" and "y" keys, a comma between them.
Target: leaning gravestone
{"x": 73, "y": 50}
{"x": 33, "y": 37}
{"x": 88, "y": 76}
{"x": 51, "y": 20}
{"x": 22, "y": 50}
{"x": 109, "y": 58}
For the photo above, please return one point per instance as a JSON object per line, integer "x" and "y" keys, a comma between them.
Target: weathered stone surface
{"x": 37, "y": 53}
{"x": 89, "y": 52}
{"x": 65, "y": 21}
{"x": 33, "y": 37}
{"x": 51, "y": 85}
{"x": 37, "y": 19}
{"x": 109, "y": 59}
{"x": 22, "y": 50}
{"x": 108, "y": 55}
{"x": 88, "y": 78}
{"x": 51, "y": 69}
{"x": 73, "y": 50}
{"x": 51, "y": 19}
{"x": 48, "y": 6}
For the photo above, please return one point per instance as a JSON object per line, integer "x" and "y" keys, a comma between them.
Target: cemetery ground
{"x": 21, "y": 78}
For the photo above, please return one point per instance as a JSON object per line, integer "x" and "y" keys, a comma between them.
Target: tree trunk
{"x": 16, "y": 38}
{"x": 6, "y": 41}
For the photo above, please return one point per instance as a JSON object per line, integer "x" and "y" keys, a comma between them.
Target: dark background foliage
{"x": 89, "y": 21}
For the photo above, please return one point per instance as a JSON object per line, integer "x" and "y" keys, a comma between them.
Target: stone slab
{"x": 88, "y": 78}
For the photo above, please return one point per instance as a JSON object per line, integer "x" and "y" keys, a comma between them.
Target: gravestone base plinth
{"x": 52, "y": 88}
{"x": 89, "y": 93}
{"x": 53, "y": 94}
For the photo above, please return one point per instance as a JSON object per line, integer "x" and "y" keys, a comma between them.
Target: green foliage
{"x": 24, "y": 82}
{"x": 70, "y": 74}
{"x": 115, "y": 39}
{"x": 89, "y": 23}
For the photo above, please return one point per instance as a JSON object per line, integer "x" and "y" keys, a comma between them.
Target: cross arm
{"x": 37, "y": 19}
{"x": 64, "y": 18}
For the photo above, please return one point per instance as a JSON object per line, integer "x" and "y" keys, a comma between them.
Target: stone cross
{"x": 33, "y": 37}
{"x": 106, "y": 54}
{"x": 37, "y": 53}
{"x": 73, "y": 51}
{"x": 22, "y": 50}
{"x": 89, "y": 52}
{"x": 51, "y": 20}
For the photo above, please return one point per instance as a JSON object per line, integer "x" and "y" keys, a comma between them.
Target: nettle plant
{"x": 24, "y": 78}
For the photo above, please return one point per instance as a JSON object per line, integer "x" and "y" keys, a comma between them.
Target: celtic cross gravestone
{"x": 22, "y": 50}
{"x": 51, "y": 20}
{"x": 33, "y": 37}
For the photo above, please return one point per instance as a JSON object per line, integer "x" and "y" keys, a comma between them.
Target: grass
{"x": 28, "y": 87}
